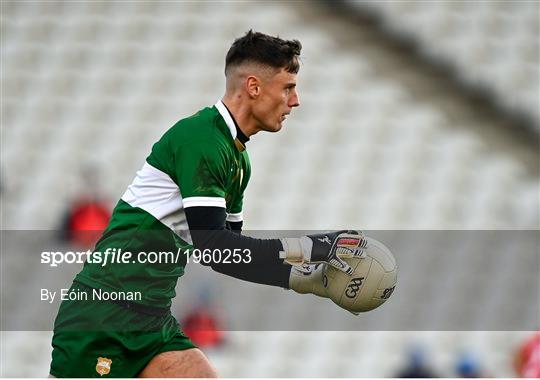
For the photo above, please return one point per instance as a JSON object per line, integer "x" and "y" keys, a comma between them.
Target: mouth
{"x": 284, "y": 116}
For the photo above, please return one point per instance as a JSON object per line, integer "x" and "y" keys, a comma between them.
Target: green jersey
{"x": 198, "y": 162}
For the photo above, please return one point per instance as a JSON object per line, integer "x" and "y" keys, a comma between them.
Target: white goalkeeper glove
{"x": 324, "y": 248}
{"x": 307, "y": 278}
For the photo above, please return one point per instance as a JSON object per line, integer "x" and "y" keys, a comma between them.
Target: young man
{"x": 189, "y": 193}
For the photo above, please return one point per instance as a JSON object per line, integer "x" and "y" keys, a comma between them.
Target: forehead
{"x": 284, "y": 77}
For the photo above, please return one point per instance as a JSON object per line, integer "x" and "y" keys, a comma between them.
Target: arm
{"x": 207, "y": 227}
{"x": 202, "y": 175}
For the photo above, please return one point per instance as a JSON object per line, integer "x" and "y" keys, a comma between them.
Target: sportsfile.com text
{"x": 118, "y": 256}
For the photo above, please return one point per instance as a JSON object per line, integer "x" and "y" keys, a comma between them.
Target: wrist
{"x": 296, "y": 251}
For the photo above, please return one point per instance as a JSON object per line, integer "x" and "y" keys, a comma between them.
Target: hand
{"x": 308, "y": 278}
{"x": 325, "y": 248}
{"x": 312, "y": 279}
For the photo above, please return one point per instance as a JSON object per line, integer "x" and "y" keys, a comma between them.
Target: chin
{"x": 273, "y": 128}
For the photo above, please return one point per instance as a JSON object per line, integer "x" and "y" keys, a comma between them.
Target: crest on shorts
{"x": 103, "y": 366}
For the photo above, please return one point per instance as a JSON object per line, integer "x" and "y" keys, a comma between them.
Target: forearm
{"x": 263, "y": 259}
{"x": 263, "y": 265}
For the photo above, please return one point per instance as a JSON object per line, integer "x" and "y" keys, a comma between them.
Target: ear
{"x": 253, "y": 86}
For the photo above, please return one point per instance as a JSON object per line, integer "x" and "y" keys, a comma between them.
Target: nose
{"x": 294, "y": 100}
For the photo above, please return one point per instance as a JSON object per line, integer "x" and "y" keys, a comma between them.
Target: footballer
{"x": 189, "y": 194}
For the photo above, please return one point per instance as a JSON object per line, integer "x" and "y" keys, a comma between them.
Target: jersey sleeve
{"x": 201, "y": 173}
{"x": 235, "y": 215}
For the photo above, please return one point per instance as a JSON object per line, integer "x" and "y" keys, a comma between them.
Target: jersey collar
{"x": 224, "y": 112}
{"x": 231, "y": 124}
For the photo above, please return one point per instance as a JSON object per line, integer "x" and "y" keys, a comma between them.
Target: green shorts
{"x": 99, "y": 338}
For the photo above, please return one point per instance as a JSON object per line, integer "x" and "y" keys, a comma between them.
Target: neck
{"x": 241, "y": 113}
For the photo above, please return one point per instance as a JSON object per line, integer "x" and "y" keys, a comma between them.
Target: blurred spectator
{"x": 468, "y": 366}
{"x": 88, "y": 214}
{"x": 417, "y": 366}
{"x": 527, "y": 359}
{"x": 203, "y": 325}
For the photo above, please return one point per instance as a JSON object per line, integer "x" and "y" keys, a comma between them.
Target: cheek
{"x": 265, "y": 110}
{"x": 272, "y": 105}
{"x": 266, "y": 107}
{"x": 280, "y": 103}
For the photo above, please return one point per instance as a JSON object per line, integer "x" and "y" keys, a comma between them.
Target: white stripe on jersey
{"x": 238, "y": 217}
{"x": 204, "y": 201}
{"x": 156, "y": 193}
{"x": 227, "y": 117}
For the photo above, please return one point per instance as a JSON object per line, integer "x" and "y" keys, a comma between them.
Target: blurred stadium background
{"x": 414, "y": 115}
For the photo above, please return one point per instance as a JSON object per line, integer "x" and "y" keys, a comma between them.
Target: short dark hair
{"x": 264, "y": 49}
